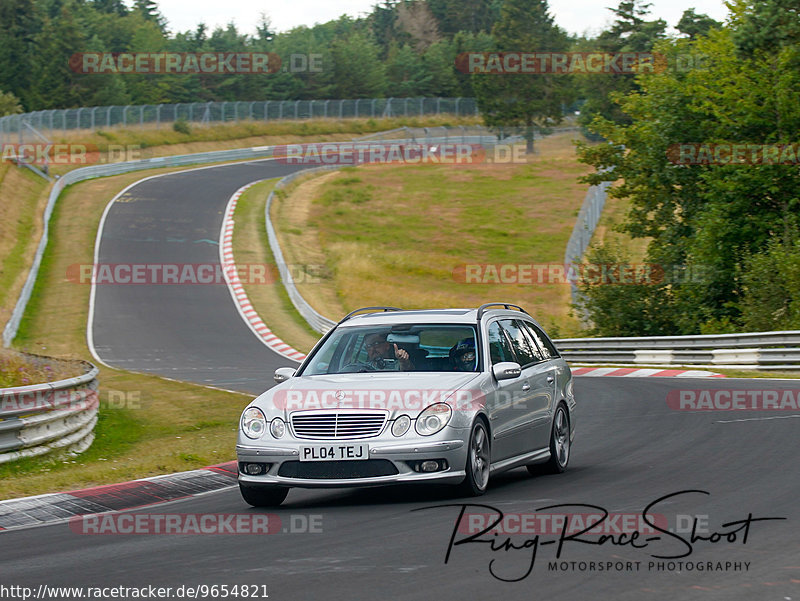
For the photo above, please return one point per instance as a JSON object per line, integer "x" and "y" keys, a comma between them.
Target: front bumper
{"x": 384, "y": 456}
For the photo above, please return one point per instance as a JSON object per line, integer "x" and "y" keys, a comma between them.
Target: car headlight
{"x": 253, "y": 422}
{"x": 401, "y": 425}
{"x": 433, "y": 419}
{"x": 277, "y": 428}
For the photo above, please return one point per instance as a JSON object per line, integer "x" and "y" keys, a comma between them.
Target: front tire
{"x": 478, "y": 462}
{"x": 560, "y": 446}
{"x": 263, "y": 497}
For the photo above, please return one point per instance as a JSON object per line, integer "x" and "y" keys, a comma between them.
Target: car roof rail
{"x": 485, "y": 307}
{"x": 375, "y": 309}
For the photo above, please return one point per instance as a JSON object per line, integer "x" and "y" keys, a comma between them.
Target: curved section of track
{"x": 187, "y": 332}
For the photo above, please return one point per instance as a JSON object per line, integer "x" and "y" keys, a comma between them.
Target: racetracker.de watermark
{"x": 205, "y": 63}
{"x": 398, "y": 399}
{"x": 598, "y": 524}
{"x": 734, "y": 154}
{"x": 38, "y": 153}
{"x": 356, "y": 153}
{"x": 195, "y": 524}
{"x": 560, "y": 63}
{"x": 213, "y": 274}
{"x": 731, "y": 399}
{"x": 68, "y": 400}
{"x": 608, "y": 274}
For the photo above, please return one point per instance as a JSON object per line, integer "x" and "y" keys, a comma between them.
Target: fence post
{"x": 327, "y": 102}
{"x": 266, "y": 111}
{"x": 158, "y": 117}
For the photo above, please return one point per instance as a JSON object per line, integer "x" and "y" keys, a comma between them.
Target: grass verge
{"x": 402, "y": 235}
{"x": 23, "y": 197}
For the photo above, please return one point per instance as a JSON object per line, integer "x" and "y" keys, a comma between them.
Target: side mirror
{"x": 506, "y": 370}
{"x": 284, "y": 373}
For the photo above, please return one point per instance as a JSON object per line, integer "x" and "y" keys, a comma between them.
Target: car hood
{"x": 397, "y": 392}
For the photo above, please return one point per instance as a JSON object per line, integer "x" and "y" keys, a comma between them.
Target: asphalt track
{"x": 631, "y": 449}
{"x": 187, "y": 332}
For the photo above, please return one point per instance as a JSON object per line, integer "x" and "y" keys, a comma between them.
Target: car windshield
{"x": 403, "y": 347}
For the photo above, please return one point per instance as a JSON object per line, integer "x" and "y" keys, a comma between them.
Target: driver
{"x": 462, "y": 355}
{"x": 379, "y": 349}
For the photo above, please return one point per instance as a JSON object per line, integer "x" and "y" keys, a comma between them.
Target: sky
{"x": 576, "y": 16}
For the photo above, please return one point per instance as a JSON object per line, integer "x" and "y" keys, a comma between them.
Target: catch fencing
{"x": 61, "y": 121}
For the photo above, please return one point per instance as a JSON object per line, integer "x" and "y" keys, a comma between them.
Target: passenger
{"x": 463, "y": 356}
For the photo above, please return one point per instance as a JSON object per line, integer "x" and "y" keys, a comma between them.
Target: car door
{"x": 543, "y": 377}
{"x": 533, "y": 417}
{"x": 509, "y": 417}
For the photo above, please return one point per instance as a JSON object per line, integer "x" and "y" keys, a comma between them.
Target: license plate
{"x": 334, "y": 452}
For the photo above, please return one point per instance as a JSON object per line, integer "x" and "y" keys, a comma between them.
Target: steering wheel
{"x": 357, "y": 367}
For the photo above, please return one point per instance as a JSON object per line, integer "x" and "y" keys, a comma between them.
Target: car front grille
{"x": 330, "y": 470}
{"x": 330, "y": 424}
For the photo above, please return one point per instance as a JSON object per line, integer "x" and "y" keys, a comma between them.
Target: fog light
{"x": 429, "y": 465}
{"x": 254, "y": 469}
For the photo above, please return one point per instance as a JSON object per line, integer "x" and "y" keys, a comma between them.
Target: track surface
{"x": 186, "y": 332}
{"x": 631, "y": 449}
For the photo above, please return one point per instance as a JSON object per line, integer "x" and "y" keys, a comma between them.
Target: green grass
{"x": 397, "y": 235}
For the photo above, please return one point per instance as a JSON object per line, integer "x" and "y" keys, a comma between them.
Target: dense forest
{"x": 401, "y": 49}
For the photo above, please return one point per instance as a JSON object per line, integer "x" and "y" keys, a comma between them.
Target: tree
{"x": 20, "y": 22}
{"x": 416, "y": 20}
{"x": 711, "y": 218}
{"x": 406, "y": 73}
{"x": 765, "y": 24}
{"x": 465, "y": 15}
{"x": 630, "y": 32}
{"x": 148, "y": 9}
{"x": 357, "y": 71}
{"x": 693, "y": 25}
{"x": 9, "y": 104}
{"x": 533, "y": 101}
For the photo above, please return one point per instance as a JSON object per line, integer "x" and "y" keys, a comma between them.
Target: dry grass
{"x": 398, "y": 235}
{"x": 18, "y": 369}
{"x": 23, "y": 197}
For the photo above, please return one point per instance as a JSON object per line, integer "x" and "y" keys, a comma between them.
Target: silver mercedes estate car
{"x": 391, "y": 396}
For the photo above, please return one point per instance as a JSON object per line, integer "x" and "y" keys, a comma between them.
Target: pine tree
{"x": 534, "y": 101}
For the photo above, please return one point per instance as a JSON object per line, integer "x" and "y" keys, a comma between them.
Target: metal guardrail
{"x": 105, "y": 117}
{"x": 46, "y": 418}
{"x": 762, "y": 350}
{"x": 318, "y": 322}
